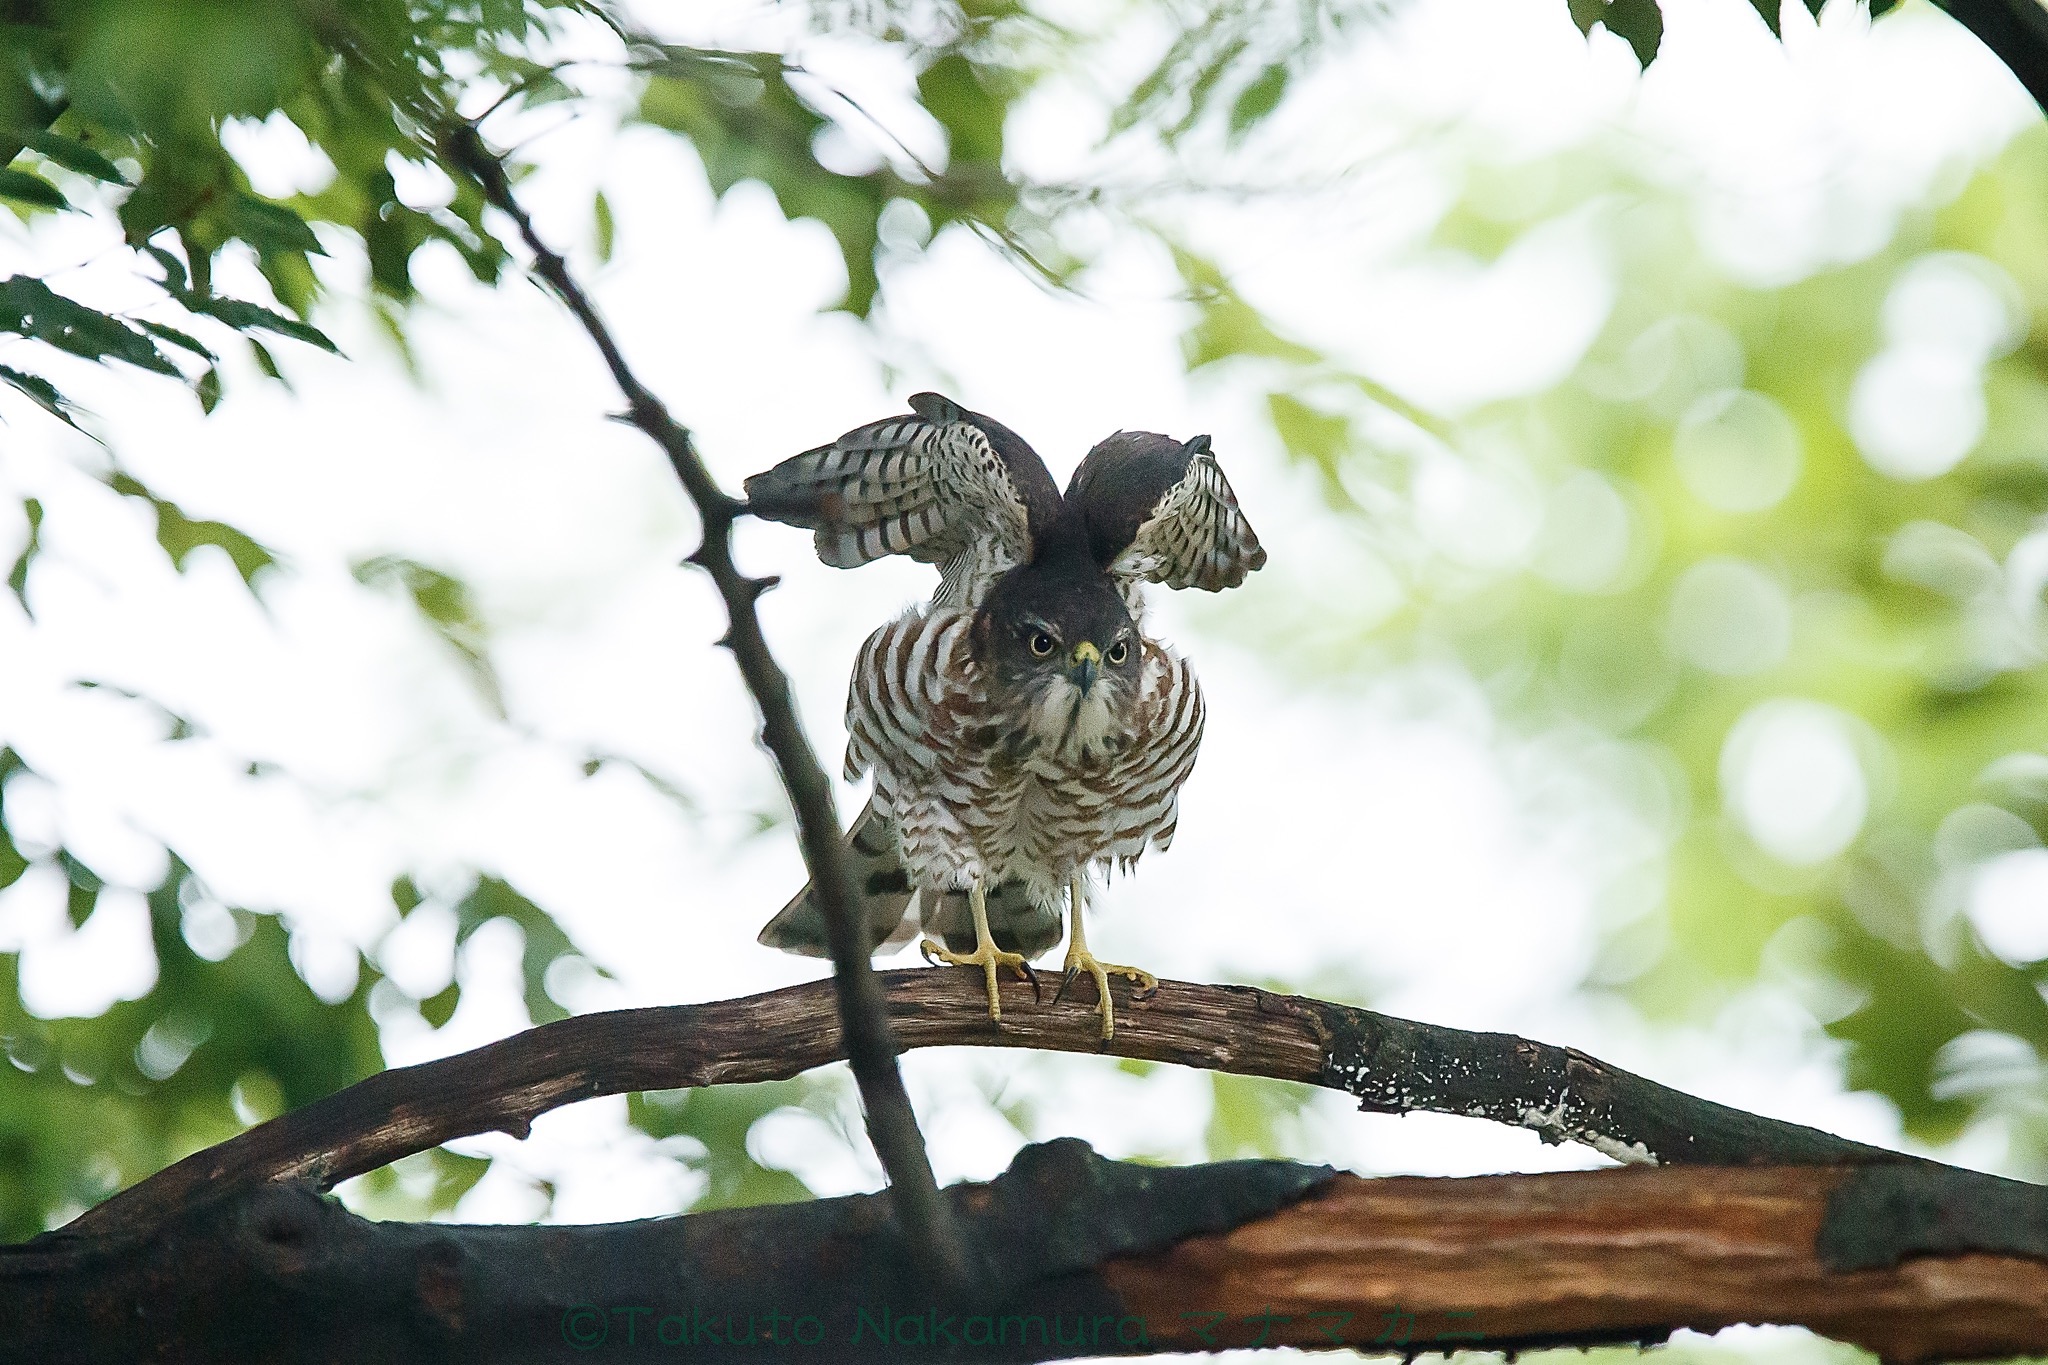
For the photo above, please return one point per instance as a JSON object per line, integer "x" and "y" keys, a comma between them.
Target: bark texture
{"x": 1391, "y": 1065}
{"x": 1075, "y": 1255}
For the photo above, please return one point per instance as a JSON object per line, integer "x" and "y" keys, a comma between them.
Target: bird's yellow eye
{"x": 1041, "y": 643}
{"x": 1118, "y": 652}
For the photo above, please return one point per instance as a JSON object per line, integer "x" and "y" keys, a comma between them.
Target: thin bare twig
{"x": 892, "y": 1126}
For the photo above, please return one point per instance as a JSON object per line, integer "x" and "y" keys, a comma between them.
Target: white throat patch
{"x": 1077, "y": 728}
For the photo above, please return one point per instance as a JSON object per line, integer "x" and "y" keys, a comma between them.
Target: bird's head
{"x": 1060, "y": 652}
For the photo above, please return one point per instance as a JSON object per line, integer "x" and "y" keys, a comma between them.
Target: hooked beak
{"x": 1087, "y": 662}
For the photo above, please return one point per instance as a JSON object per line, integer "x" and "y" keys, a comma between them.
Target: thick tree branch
{"x": 1390, "y": 1065}
{"x": 892, "y": 1125}
{"x": 1093, "y": 1258}
{"x": 2016, "y": 31}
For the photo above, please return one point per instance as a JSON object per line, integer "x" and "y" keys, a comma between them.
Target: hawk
{"x": 1022, "y": 728}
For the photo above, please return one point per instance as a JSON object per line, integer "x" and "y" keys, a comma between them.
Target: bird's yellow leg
{"x": 1079, "y": 960}
{"x": 986, "y": 955}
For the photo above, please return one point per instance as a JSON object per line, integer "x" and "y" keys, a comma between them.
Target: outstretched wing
{"x": 1161, "y": 510}
{"x": 941, "y": 484}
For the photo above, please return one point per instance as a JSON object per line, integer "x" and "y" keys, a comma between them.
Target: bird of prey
{"x": 1021, "y": 727}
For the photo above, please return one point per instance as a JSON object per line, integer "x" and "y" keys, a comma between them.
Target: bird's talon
{"x": 1067, "y": 979}
{"x": 990, "y": 959}
{"x": 1079, "y": 960}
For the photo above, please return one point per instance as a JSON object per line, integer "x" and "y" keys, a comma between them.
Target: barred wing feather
{"x": 1160, "y": 510}
{"x": 941, "y": 484}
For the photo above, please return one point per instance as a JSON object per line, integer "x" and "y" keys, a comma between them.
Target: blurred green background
{"x": 1766, "y": 565}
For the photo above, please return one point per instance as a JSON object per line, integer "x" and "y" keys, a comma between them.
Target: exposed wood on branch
{"x": 1584, "y": 1257}
{"x": 1092, "y": 1258}
{"x": 1391, "y": 1065}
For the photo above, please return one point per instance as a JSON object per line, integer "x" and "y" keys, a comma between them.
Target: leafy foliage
{"x": 1232, "y": 63}
{"x": 180, "y": 535}
{"x": 1641, "y": 22}
{"x": 749, "y": 122}
{"x": 130, "y": 112}
{"x": 1730, "y": 564}
{"x": 546, "y": 944}
{"x": 90, "y": 92}
{"x": 444, "y": 603}
{"x": 710, "y": 1128}
{"x": 229, "y": 1034}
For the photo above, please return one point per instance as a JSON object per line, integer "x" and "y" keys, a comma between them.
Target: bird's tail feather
{"x": 893, "y": 913}
{"x": 878, "y": 881}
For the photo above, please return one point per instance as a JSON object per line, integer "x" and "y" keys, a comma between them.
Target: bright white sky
{"x": 1379, "y": 842}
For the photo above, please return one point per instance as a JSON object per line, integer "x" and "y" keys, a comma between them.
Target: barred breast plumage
{"x": 1022, "y": 730}
{"x": 975, "y": 791}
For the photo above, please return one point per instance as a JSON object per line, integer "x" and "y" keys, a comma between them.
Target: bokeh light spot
{"x": 1585, "y": 540}
{"x": 1916, "y": 411}
{"x": 1481, "y": 515}
{"x": 1737, "y": 450}
{"x": 1676, "y": 359}
{"x": 1730, "y": 617}
{"x": 1791, "y": 777}
{"x": 2008, "y": 905}
{"x": 1955, "y": 301}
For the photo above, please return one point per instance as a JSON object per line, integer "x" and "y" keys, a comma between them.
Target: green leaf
{"x": 12, "y": 864}
{"x": 1227, "y": 327}
{"x": 1258, "y": 99}
{"x": 43, "y": 393}
{"x": 30, "y": 308}
{"x": 17, "y": 576}
{"x": 747, "y": 123}
{"x": 267, "y": 362}
{"x": 405, "y": 894}
{"x": 1641, "y": 22}
{"x": 1207, "y": 79}
{"x": 1319, "y": 436}
{"x": 180, "y": 535}
{"x": 78, "y": 874}
{"x": 182, "y": 340}
{"x": 606, "y": 229}
{"x": 208, "y": 389}
{"x": 176, "y": 279}
{"x": 445, "y": 602}
{"x": 1769, "y": 10}
{"x": 244, "y": 316}
{"x": 84, "y": 893}
{"x": 24, "y": 188}
{"x": 272, "y": 228}
{"x": 72, "y": 155}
